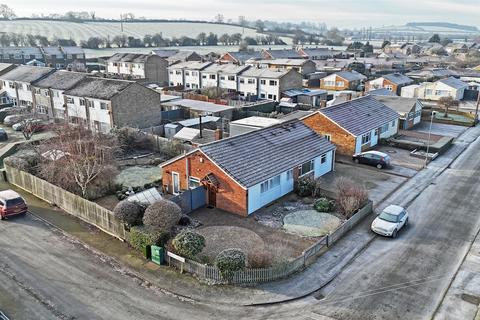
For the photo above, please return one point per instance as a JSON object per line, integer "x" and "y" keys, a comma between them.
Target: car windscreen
{"x": 388, "y": 217}
{"x": 14, "y": 202}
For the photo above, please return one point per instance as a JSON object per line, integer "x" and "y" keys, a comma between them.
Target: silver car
{"x": 389, "y": 222}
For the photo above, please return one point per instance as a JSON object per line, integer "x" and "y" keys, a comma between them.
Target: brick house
{"x": 393, "y": 82}
{"x": 244, "y": 173}
{"x": 354, "y": 126}
{"x": 342, "y": 80}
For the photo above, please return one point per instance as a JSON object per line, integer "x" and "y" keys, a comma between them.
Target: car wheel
{"x": 356, "y": 161}
{"x": 394, "y": 234}
{"x": 379, "y": 166}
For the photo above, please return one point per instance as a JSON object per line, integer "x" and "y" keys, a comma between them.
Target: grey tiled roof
{"x": 129, "y": 57}
{"x": 382, "y": 92}
{"x": 454, "y": 83}
{"x": 400, "y": 104}
{"x": 242, "y": 56}
{"x": 27, "y": 73}
{"x": 256, "y": 156}
{"x": 360, "y": 115}
{"x": 60, "y": 80}
{"x": 165, "y": 53}
{"x": 398, "y": 79}
{"x": 284, "y": 54}
{"x": 350, "y": 76}
{"x": 98, "y": 88}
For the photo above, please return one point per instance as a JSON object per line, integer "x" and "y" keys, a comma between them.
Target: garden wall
{"x": 252, "y": 276}
{"x": 77, "y": 206}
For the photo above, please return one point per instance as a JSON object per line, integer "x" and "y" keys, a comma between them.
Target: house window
{"x": 307, "y": 167}
{"x": 272, "y": 82}
{"x": 428, "y": 92}
{"x": 193, "y": 182}
{"x": 231, "y": 78}
{"x": 11, "y": 85}
{"x": 82, "y": 102}
{"x": 377, "y": 132}
{"x": 41, "y": 109}
{"x": 389, "y": 87}
{"x": 289, "y": 174}
{"x": 323, "y": 158}
{"x": 204, "y": 76}
{"x": 329, "y": 83}
{"x": 274, "y": 182}
{"x": 29, "y": 88}
{"x": 46, "y": 93}
{"x": 251, "y": 81}
{"x": 70, "y": 100}
{"x": 263, "y": 81}
{"x": 213, "y": 77}
{"x": 103, "y": 105}
{"x": 262, "y": 95}
{"x": 328, "y": 137}
{"x": 171, "y": 72}
{"x": 222, "y": 77}
{"x": 242, "y": 80}
{"x": 264, "y": 187}
{"x": 340, "y": 84}
{"x": 178, "y": 72}
{"x": 384, "y": 128}
{"x": 187, "y": 73}
{"x": 270, "y": 96}
{"x": 393, "y": 123}
{"x": 366, "y": 138}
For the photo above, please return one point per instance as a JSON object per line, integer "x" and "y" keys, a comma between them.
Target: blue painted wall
{"x": 257, "y": 200}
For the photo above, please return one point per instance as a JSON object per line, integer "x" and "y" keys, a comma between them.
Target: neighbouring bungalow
{"x": 281, "y": 54}
{"x": 244, "y": 173}
{"x": 448, "y": 87}
{"x": 342, "y": 80}
{"x": 393, "y": 82}
{"x": 409, "y": 110}
{"x": 355, "y": 126}
{"x": 240, "y": 57}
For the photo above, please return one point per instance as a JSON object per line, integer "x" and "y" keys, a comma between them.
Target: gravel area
{"x": 310, "y": 223}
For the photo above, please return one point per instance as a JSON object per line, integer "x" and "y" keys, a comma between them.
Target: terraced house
{"x": 246, "y": 172}
{"x": 150, "y": 67}
{"x": 101, "y": 104}
{"x": 187, "y": 74}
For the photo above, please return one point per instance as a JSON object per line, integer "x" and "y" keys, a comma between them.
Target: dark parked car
{"x": 3, "y": 135}
{"x": 11, "y": 203}
{"x": 373, "y": 158}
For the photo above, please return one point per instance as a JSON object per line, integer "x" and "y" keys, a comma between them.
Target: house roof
{"x": 284, "y": 54}
{"x": 398, "y": 78}
{"x": 22, "y": 50}
{"x": 350, "y": 76}
{"x": 453, "y": 82}
{"x": 254, "y": 121}
{"x": 6, "y": 66}
{"x": 242, "y": 56}
{"x": 52, "y": 51}
{"x": 360, "y": 115}
{"x": 382, "y": 92}
{"x": 256, "y": 156}
{"x": 401, "y": 105}
{"x": 129, "y": 57}
{"x": 165, "y": 53}
{"x": 72, "y": 50}
{"x": 60, "y": 80}
{"x": 196, "y": 121}
{"x": 180, "y": 56}
{"x": 297, "y": 114}
{"x": 98, "y": 88}
{"x": 27, "y": 73}
{"x": 265, "y": 73}
{"x": 190, "y": 65}
{"x": 227, "y": 68}
{"x": 319, "y": 52}
{"x": 284, "y": 62}
{"x": 304, "y": 92}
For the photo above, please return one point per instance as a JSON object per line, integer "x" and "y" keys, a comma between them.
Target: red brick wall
{"x": 346, "y": 85}
{"x": 344, "y": 141}
{"x": 230, "y": 196}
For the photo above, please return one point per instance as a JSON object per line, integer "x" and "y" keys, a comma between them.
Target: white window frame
{"x": 195, "y": 181}
{"x": 312, "y": 168}
{"x": 366, "y": 138}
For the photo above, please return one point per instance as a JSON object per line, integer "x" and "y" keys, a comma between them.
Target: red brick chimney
{"x": 218, "y": 134}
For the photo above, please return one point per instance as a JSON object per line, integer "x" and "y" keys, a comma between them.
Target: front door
{"x": 176, "y": 183}
{"x": 212, "y": 197}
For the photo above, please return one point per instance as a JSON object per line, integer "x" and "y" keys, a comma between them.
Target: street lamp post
{"x": 429, "y": 134}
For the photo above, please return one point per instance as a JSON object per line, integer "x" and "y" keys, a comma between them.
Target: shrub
{"x": 24, "y": 161}
{"x": 230, "y": 261}
{"x": 142, "y": 236}
{"x": 350, "y": 197}
{"x": 162, "y": 214}
{"x": 188, "y": 244}
{"x": 323, "y": 205}
{"x": 259, "y": 258}
{"x": 305, "y": 186}
{"x": 129, "y": 212}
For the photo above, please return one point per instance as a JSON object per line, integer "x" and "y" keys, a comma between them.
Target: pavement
{"x": 50, "y": 274}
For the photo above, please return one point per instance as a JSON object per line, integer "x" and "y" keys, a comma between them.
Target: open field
{"x": 83, "y": 31}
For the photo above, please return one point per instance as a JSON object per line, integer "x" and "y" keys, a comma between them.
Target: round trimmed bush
{"x": 230, "y": 261}
{"x": 129, "y": 212}
{"x": 162, "y": 214}
{"x": 188, "y": 244}
{"x": 323, "y": 205}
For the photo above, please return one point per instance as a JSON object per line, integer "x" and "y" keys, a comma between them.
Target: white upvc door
{"x": 176, "y": 183}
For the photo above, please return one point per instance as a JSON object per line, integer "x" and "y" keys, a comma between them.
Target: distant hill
{"x": 443, "y": 25}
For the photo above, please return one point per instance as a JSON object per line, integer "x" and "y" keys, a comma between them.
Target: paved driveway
{"x": 448, "y": 130}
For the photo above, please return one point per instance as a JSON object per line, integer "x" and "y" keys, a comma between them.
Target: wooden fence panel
{"x": 86, "y": 210}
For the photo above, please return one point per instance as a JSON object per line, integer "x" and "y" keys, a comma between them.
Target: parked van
{"x": 11, "y": 203}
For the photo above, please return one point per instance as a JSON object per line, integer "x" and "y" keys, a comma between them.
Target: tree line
{"x": 29, "y": 40}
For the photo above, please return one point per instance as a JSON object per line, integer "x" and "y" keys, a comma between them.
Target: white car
{"x": 390, "y": 221}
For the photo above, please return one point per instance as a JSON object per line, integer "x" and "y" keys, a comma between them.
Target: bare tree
{"x": 447, "y": 103}
{"x": 6, "y": 12}
{"x": 219, "y": 18}
{"x": 78, "y": 158}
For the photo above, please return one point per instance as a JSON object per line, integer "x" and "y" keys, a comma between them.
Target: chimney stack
{"x": 200, "y": 126}
{"x": 218, "y": 134}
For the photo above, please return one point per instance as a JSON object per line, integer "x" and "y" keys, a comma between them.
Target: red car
{"x": 11, "y": 203}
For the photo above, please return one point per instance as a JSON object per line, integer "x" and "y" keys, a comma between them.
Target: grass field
{"x": 83, "y": 31}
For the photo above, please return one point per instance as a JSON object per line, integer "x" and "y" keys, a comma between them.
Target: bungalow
{"x": 281, "y": 54}
{"x": 240, "y": 57}
{"x": 102, "y": 104}
{"x": 409, "y": 110}
{"x": 354, "y": 126}
{"x": 393, "y": 82}
{"x": 342, "y": 80}
{"x": 17, "y": 83}
{"x": 449, "y": 87}
{"x": 150, "y": 67}
{"x": 244, "y": 173}
{"x": 319, "y": 53}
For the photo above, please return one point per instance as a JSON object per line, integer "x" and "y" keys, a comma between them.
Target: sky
{"x": 340, "y": 13}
